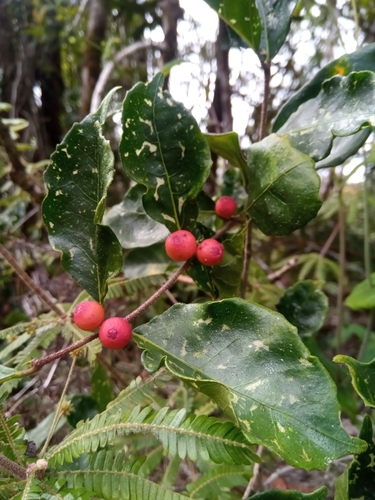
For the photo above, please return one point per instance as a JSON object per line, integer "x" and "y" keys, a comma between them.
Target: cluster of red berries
{"x": 182, "y": 245}
{"x": 114, "y": 333}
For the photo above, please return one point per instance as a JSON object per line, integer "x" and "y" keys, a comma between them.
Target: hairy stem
{"x": 16, "y": 470}
{"x": 29, "y": 282}
{"x": 58, "y": 413}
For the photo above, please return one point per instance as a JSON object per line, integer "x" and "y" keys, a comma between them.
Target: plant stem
{"x": 16, "y": 470}
{"x": 266, "y": 97}
{"x": 57, "y": 416}
{"x": 247, "y": 260}
{"x": 367, "y": 335}
{"x": 342, "y": 263}
{"x": 29, "y": 282}
{"x": 254, "y": 479}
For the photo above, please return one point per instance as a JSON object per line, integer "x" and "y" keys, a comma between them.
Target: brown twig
{"x": 16, "y": 470}
{"x": 266, "y": 97}
{"x": 29, "y": 282}
{"x": 330, "y": 239}
{"x": 18, "y": 172}
{"x": 247, "y": 260}
{"x": 228, "y": 225}
{"x": 289, "y": 265}
{"x": 254, "y": 479}
{"x": 115, "y": 374}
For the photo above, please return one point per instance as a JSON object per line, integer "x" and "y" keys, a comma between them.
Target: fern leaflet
{"x": 211, "y": 484}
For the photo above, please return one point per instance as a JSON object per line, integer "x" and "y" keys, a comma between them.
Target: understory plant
{"x": 226, "y": 376}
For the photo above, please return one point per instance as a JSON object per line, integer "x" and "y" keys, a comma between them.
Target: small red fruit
{"x": 181, "y": 245}
{"x": 225, "y": 207}
{"x": 89, "y": 315}
{"x": 115, "y": 333}
{"x": 210, "y": 252}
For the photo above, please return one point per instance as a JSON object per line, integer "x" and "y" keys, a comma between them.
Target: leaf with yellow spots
{"x": 77, "y": 180}
{"x": 252, "y": 363}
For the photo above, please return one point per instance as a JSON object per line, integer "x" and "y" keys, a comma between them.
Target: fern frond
{"x": 211, "y": 484}
{"x": 13, "y": 345}
{"x": 43, "y": 337}
{"x": 29, "y": 326}
{"x": 11, "y": 437}
{"x": 180, "y": 435}
{"x": 111, "y": 478}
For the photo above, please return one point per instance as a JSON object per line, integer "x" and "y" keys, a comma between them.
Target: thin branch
{"x": 266, "y": 97}
{"x": 289, "y": 265}
{"x": 16, "y": 470}
{"x": 18, "y": 172}
{"x": 30, "y": 283}
{"x": 247, "y": 260}
{"x": 342, "y": 264}
{"x": 330, "y": 239}
{"x": 110, "y": 66}
{"x": 254, "y": 479}
{"x": 115, "y": 374}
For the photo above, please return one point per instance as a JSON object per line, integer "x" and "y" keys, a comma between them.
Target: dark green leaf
{"x": 163, "y": 149}
{"x": 343, "y": 107}
{"x": 77, "y": 180}
{"x": 242, "y": 16}
{"x": 101, "y": 387}
{"x": 275, "y": 16}
{"x": 363, "y": 295}
{"x": 131, "y": 224}
{"x": 284, "y": 186}
{"x": 363, "y": 377}
{"x": 358, "y": 480}
{"x": 343, "y": 148}
{"x": 147, "y": 262}
{"x": 252, "y": 363}
{"x": 320, "y": 494}
{"x": 305, "y": 306}
{"x": 362, "y": 59}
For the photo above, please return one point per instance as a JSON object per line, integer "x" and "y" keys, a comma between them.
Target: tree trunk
{"x": 172, "y": 12}
{"x": 92, "y": 56}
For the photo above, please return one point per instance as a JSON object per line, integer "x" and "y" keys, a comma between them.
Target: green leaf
{"x": 77, "y": 180}
{"x": 228, "y": 147}
{"x": 284, "y": 186}
{"x": 275, "y": 16}
{"x": 363, "y": 295}
{"x": 242, "y": 16}
{"x": 6, "y": 373}
{"x": 358, "y": 480}
{"x": 343, "y": 107}
{"x": 163, "y": 149}
{"x": 101, "y": 387}
{"x": 320, "y": 494}
{"x": 363, "y": 377}
{"x": 212, "y": 483}
{"x": 305, "y": 306}
{"x": 131, "y": 224}
{"x": 150, "y": 261}
{"x": 181, "y": 435}
{"x": 343, "y": 148}
{"x": 252, "y": 363}
{"x": 112, "y": 478}
{"x": 362, "y": 59}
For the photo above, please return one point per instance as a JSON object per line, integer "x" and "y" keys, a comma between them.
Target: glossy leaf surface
{"x": 363, "y": 295}
{"x": 363, "y": 377}
{"x": 342, "y": 108}
{"x": 163, "y": 149}
{"x": 77, "y": 180}
{"x": 283, "y": 188}
{"x": 358, "y": 480}
{"x": 320, "y": 494}
{"x": 131, "y": 224}
{"x": 343, "y": 148}
{"x": 362, "y": 59}
{"x": 242, "y": 16}
{"x": 252, "y": 363}
{"x": 275, "y": 18}
{"x": 228, "y": 146}
{"x": 305, "y": 306}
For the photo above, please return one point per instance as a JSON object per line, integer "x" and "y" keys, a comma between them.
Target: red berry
{"x": 181, "y": 245}
{"x": 225, "y": 207}
{"x": 89, "y": 315}
{"x": 115, "y": 333}
{"x": 210, "y": 252}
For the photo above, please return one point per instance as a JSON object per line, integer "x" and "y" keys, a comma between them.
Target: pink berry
{"x": 225, "y": 207}
{"x": 89, "y": 315}
{"x": 210, "y": 252}
{"x": 115, "y": 333}
{"x": 181, "y": 245}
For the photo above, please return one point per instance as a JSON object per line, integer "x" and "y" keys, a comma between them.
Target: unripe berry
{"x": 181, "y": 245}
{"x": 115, "y": 333}
{"x": 210, "y": 252}
{"x": 89, "y": 315}
{"x": 225, "y": 207}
